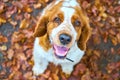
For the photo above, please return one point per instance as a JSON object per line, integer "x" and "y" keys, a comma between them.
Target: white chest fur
{"x": 42, "y": 58}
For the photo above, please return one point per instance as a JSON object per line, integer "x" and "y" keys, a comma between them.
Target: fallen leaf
{"x": 2, "y": 20}
{"x": 10, "y": 53}
{"x": 3, "y": 39}
{"x": 86, "y": 76}
{"x": 3, "y": 47}
{"x": 28, "y": 75}
{"x": 37, "y": 6}
{"x": 114, "y": 40}
{"x": 24, "y": 24}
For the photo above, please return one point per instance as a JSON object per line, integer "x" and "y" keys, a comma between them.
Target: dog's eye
{"x": 57, "y": 20}
{"x": 77, "y": 23}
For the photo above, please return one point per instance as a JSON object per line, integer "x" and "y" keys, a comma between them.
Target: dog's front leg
{"x": 40, "y": 65}
{"x": 67, "y": 68}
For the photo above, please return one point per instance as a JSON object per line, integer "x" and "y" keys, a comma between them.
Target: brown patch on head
{"x": 46, "y": 23}
{"x": 55, "y": 21}
{"x": 41, "y": 27}
{"x": 83, "y": 30}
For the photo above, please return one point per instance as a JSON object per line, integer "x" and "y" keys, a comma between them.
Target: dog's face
{"x": 62, "y": 24}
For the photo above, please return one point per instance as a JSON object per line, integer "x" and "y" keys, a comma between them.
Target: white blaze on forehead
{"x": 70, "y": 3}
{"x": 68, "y": 11}
{"x": 66, "y": 25}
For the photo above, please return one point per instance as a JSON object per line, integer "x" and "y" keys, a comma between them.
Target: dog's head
{"x": 62, "y": 24}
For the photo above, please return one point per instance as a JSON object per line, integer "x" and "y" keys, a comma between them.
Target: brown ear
{"x": 41, "y": 27}
{"x": 44, "y": 42}
{"x": 85, "y": 34}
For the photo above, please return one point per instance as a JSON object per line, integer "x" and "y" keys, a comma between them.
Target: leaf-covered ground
{"x": 17, "y": 23}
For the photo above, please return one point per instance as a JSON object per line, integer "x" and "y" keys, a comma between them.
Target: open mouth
{"x": 60, "y": 51}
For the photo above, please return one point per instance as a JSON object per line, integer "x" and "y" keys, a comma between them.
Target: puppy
{"x": 61, "y": 36}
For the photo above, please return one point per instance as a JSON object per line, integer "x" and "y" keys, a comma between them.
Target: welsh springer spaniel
{"x": 61, "y": 36}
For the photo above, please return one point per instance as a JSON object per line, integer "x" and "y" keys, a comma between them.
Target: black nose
{"x": 65, "y": 39}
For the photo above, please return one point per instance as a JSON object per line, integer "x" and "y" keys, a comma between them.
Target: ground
{"x": 102, "y": 57}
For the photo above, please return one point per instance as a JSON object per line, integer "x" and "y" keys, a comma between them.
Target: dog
{"x": 61, "y": 35}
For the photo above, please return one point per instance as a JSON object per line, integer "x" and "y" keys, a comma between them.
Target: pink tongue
{"x": 60, "y": 51}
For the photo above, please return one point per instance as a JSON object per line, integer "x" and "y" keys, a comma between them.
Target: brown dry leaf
{"x": 2, "y": 6}
{"x": 3, "y": 47}
{"x": 12, "y": 75}
{"x": 24, "y": 24}
{"x": 43, "y": 2}
{"x": 111, "y": 67}
{"x": 116, "y": 76}
{"x": 23, "y": 67}
{"x": 17, "y": 76}
{"x": 93, "y": 64}
{"x": 55, "y": 77}
{"x": 29, "y": 53}
{"x": 9, "y": 64}
{"x": 21, "y": 56}
{"x": 28, "y": 75}
{"x": 75, "y": 72}
{"x": 117, "y": 9}
{"x": 41, "y": 78}
{"x": 97, "y": 53}
{"x": 118, "y": 64}
{"x": 46, "y": 75}
{"x": 13, "y": 23}
{"x": 107, "y": 77}
{"x": 112, "y": 51}
{"x": 18, "y": 37}
{"x": 27, "y": 16}
{"x": 10, "y": 53}
{"x": 17, "y": 46}
{"x": 27, "y": 46}
{"x": 26, "y": 8}
{"x": 112, "y": 32}
{"x": 118, "y": 37}
{"x": 119, "y": 20}
{"x": 50, "y": 78}
{"x": 28, "y": 33}
{"x": 3, "y": 39}
{"x": 81, "y": 68}
{"x": 94, "y": 11}
{"x": 114, "y": 40}
{"x": 103, "y": 15}
{"x": 19, "y": 17}
{"x": 10, "y": 11}
{"x": 18, "y": 4}
{"x": 102, "y": 12}
{"x": 2, "y": 20}
{"x": 105, "y": 37}
{"x": 37, "y": 6}
{"x": 86, "y": 76}
{"x": 15, "y": 67}
{"x": 89, "y": 52}
{"x": 96, "y": 39}
{"x": 85, "y": 4}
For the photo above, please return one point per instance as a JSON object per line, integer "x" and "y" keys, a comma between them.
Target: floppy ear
{"x": 85, "y": 34}
{"x": 44, "y": 42}
{"x": 41, "y": 27}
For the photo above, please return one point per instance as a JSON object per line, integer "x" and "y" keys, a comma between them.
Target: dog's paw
{"x": 37, "y": 70}
{"x": 67, "y": 70}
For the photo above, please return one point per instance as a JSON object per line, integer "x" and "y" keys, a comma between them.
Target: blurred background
{"x": 102, "y": 58}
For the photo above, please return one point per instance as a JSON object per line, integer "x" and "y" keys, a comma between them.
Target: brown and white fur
{"x": 60, "y": 17}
